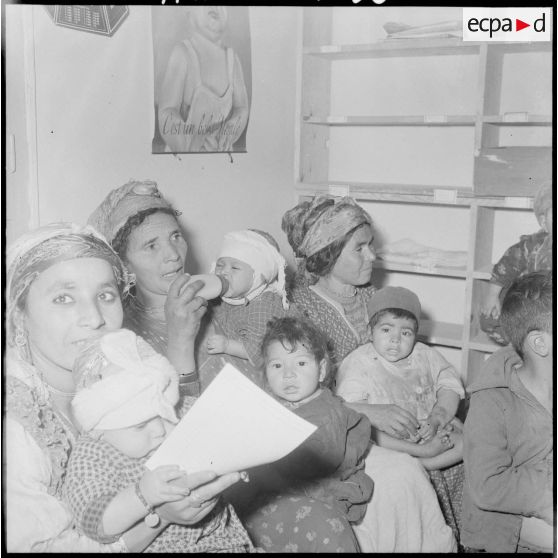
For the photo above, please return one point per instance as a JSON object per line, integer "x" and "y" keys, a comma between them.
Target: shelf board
{"x": 519, "y": 119}
{"x": 411, "y": 193}
{"x": 391, "y": 120}
{"x": 395, "y": 47}
{"x": 481, "y": 342}
{"x": 418, "y": 47}
{"x": 440, "y": 333}
{"x": 409, "y": 268}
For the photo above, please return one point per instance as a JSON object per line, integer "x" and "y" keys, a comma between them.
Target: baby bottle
{"x": 213, "y": 285}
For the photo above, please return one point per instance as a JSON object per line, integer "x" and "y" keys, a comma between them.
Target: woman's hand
{"x": 490, "y": 305}
{"x": 205, "y": 487}
{"x": 393, "y": 420}
{"x": 183, "y": 309}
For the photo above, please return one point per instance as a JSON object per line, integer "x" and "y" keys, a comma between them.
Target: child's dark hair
{"x": 397, "y": 313}
{"x": 291, "y": 331}
{"x": 527, "y": 306}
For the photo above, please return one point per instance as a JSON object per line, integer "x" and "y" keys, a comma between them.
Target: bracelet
{"x": 188, "y": 377}
{"x": 151, "y": 519}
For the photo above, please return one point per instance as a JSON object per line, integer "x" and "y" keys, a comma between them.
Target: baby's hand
{"x": 216, "y": 344}
{"x": 157, "y": 488}
{"x": 490, "y": 305}
{"x": 429, "y": 427}
{"x": 437, "y": 445}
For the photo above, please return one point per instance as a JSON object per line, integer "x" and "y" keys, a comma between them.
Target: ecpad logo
{"x": 507, "y": 24}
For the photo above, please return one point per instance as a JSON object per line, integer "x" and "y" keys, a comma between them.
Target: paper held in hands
{"x": 233, "y": 426}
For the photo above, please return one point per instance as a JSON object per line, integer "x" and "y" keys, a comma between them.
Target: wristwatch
{"x": 152, "y": 519}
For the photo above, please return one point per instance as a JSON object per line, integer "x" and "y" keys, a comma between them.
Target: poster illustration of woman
{"x": 202, "y": 73}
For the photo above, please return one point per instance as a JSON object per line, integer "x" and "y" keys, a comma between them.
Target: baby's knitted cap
{"x": 394, "y": 297}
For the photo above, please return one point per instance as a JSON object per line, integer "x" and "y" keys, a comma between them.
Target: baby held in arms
{"x": 124, "y": 405}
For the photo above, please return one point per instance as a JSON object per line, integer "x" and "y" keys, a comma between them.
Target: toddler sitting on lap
{"x": 124, "y": 405}
{"x": 329, "y": 465}
{"x": 396, "y": 369}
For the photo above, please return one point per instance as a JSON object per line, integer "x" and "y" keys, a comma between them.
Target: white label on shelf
{"x": 339, "y": 190}
{"x": 515, "y": 117}
{"x": 337, "y": 119}
{"x": 445, "y": 196}
{"x": 518, "y": 202}
{"x": 435, "y": 118}
{"x": 330, "y": 48}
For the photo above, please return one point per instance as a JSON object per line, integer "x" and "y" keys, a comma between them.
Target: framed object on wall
{"x": 103, "y": 20}
{"x": 203, "y": 77}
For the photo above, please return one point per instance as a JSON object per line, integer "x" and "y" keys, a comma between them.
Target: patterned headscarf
{"x": 311, "y": 226}
{"x": 260, "y": 254}
{"x": 122, "y": 381}
{"x": 124, "y": 202}
{"x": 37, "y": 250}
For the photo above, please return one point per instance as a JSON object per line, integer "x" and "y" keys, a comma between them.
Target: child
{"x": 255, "y": 271}
{"x": 124, "y": 406}
{"x": 395, "y": 369}
{"x": 508, "y": 438}
{"x": 533, "y": 252}
{"x": 329, "y": 465}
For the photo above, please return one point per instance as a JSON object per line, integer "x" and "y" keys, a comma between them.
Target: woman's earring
{"x": 20, "y": 338}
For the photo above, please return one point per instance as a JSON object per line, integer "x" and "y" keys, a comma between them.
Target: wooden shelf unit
{"x": 499, "y": 172}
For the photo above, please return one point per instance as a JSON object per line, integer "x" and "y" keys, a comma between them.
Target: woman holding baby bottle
{"x": 165, "y": 310}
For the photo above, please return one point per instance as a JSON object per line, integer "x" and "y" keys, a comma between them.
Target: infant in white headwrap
{"x": 255, "y": 270}
{"x": 124, "y": 407}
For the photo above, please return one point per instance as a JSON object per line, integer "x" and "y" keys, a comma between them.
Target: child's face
{"x": 240, "y": 276}
{"x": 140, "y": 440}
{"x": 293, "y": 375}
{"x": 394, "y": 338}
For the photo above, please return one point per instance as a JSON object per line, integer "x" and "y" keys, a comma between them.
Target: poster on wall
{"x": 202, "y": 78}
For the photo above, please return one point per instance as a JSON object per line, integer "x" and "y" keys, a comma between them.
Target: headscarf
{"x": 121, "y": 381}
{"x": 543, "y": 200}
{"x": 268, "y": 264}
{"x": 311, "y": 226}
{"x": 124, "y": 202}
{"x": 37, "y": 250}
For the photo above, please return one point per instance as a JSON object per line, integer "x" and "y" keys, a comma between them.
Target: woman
{"x": 63, "y": 288}
{"x": 142, "y": 227}
{"x": 332, "y": 241}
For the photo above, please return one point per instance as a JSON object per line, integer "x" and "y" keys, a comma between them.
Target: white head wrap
{"x": 121, "y": 381}
{"x": 268, "y": 264}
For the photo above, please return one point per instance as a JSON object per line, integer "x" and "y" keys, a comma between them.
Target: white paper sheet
{"x": 233, "y": 426}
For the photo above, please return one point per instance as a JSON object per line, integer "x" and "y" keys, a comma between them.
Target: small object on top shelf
{"x": 441, "y": 30}
{"x": 408, "y": 251}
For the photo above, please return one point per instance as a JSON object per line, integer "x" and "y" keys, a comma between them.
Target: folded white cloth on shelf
{"x": 408, "y": 251}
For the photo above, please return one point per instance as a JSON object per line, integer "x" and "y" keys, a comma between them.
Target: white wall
{"x": 94, "y": 98}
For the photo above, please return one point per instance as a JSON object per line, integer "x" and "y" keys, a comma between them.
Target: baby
{"x": 396, "y": 369}
{"x": 533, "y": 252}
{"x": 124, "y": 407}
{"x": 329, "y": 465}
{"x": 255, "y": 271}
